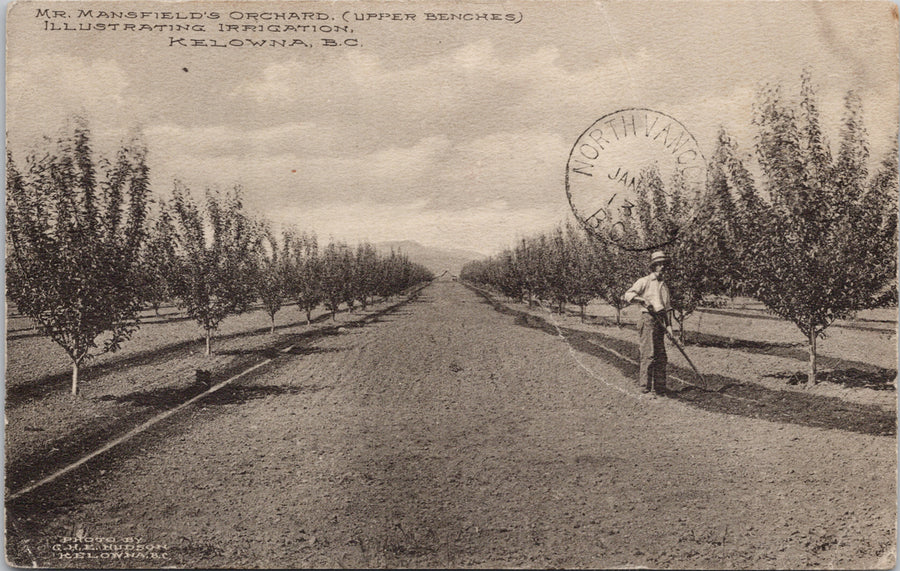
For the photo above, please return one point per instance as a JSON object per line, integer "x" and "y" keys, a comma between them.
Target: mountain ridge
{"x": 437, "y": 260}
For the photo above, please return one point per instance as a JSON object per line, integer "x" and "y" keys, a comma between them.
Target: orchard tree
{"x": 365, "y": 273}
{"x": 272, "y": 272}
{"x": 690, "y": 274}
{"x": 158, "y": 261}
{"x": 506, "y": 275}
{"x": 583, "y": 268}
{"x": 216, "y": 257}
{"x": 881, "y": 254}
{"x": 528, "y": 262}
{"x": 711, "y": 237}
{"x": 830, "y": 239}
{"x": 617, "y": 268}
{"x": 75, "y": 230}
{"x": 304, "y": 271}
{"x": 335, "y": 277}
{"x": 389, "y": 269}
{"x": 350, "y": 287}
{"x": 556, "y": 257}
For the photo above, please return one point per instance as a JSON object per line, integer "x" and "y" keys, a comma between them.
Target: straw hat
{"x": 658, "y": 257}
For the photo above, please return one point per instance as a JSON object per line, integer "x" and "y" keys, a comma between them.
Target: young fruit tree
{"x": 616, "y": 267}
{"x": 75, "y": 230}
{"x": 556, "y": 269}
{"x": 365, "y": 274}
{"x": 728, "y": 214}
{"x": 337, "y": 271}
{"x": 828, "y": 247}
{"x": 272, "y": 273}
{"x": 304, "y": 271}
{"x": 216, "y": 257}
{"x": 663, "y": 208}
{"x": 583, "y": 268}
{"x": 390, "y": 274}
{"x": 158, "y": 261}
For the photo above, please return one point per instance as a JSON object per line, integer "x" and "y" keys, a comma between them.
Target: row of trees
{"x": 813, "y": 236}
{"x": 569, "y": 265}
{"x": 564, "y": 266}
{"x": 89, "y": 248}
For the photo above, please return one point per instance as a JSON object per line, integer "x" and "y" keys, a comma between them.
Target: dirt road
{"x": 444, "y": 434}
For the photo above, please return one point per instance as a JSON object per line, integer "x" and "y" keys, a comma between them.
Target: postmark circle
{"x": 604, "y": 177}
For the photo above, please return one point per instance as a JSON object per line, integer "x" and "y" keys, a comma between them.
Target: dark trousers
{"x": 653, "y": 353}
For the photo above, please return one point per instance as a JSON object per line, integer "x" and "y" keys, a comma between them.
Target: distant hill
{"x": 435, "y": 259}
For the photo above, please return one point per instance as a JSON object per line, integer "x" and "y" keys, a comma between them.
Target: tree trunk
{"x": 582, "y": 313}
{"x": 812, "y": 355}
{"x": 74, "y": 378}
{"x": 618, "y": 316}
{"x": 272, "y": 330}
{"x": 208, "y": 341}
{"x": 308, "y": 316}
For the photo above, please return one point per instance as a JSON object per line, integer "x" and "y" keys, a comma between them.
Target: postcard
{"x": 518, "y": 284}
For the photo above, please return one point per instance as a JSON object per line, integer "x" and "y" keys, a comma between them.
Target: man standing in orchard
{"x": 656, "y": 317}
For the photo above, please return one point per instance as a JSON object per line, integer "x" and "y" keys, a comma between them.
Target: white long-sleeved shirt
{"x": 654, "y": 291}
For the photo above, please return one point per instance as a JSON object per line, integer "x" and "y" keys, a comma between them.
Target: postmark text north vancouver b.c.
{"x": 613, "y": 163}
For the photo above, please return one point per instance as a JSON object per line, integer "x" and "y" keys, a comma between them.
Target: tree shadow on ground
{"x": 796, "y": 351}
{"x": 885, "y": 380}
{"x": 175, "y": 316}
{"x": 52, "y": 455}
{"x": 718, "y": 393}
{"x": 749, "y": 345}
{"x": 789, "y": 350}
{"x": 855, "y": 323}
{"x": 240, "y": 394}
{"x": 12, "y": 334}
{"x": 26, "y": 391}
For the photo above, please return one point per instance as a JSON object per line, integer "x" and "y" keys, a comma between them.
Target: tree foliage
{"x": 828, "y": 245}
{"x": 304, "y": 270}
{"x": 158, "y": 261}
{"x": 216, "y": 255}
{"x": 337, "y": 270}
{"x": 75, "y": 229}
{"x": 272, "y": 272}
{"x": 815, "y": 239}
{"x": 347, "y": 275}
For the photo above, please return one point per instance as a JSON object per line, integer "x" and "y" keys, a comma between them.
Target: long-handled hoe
{"x": 679, "y": 347}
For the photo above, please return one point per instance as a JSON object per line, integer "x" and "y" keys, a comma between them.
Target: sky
{"x": 452, "y": 133}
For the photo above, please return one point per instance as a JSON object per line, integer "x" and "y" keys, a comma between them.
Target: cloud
{"x": 484, "y": 228}
{"x": 517, "y": 167}
{"x": 463, "y": 93}
{"x": 275, "y": 180}
{"x": 467, "y": 139}
{"x": 231, "y": 140}
{"x": 46, "y": 90}
{"x": 477, "y": 193}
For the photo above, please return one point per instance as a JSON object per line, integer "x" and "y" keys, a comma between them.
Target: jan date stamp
{"x": 606, "y": 164}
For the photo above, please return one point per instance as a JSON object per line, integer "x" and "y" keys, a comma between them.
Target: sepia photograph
{"x": 451, "y": 284}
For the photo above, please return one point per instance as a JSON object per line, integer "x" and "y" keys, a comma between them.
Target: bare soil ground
{"x": 156, "y": 370}
{"x": 453, "y": 431}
